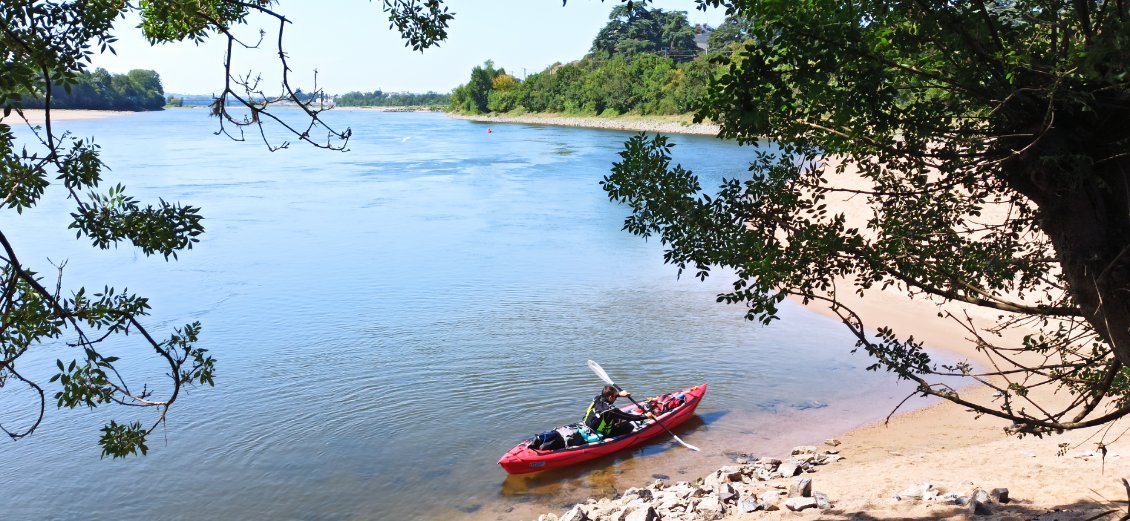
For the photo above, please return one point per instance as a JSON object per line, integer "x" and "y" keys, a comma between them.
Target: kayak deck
{"x": 524, "y": 459}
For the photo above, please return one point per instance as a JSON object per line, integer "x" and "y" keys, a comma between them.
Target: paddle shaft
{"x": 657, "y": 422}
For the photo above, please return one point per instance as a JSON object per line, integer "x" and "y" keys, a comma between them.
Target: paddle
{"x": 596, "y": 368}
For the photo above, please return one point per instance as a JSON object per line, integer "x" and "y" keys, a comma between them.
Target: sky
{"x": 350, "y": 45}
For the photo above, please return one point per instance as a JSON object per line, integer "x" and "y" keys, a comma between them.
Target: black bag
{"x": 548, "y": 440}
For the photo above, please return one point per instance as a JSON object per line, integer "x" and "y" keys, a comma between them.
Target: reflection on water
{"x": 389, "y": 321}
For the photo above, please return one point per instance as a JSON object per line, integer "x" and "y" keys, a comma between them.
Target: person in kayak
{"x": 610, "y": 421}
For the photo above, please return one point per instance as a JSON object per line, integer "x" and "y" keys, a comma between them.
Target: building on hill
{"x": 701, "y": 33}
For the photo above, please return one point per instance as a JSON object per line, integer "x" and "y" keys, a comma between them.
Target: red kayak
{"x": 674, "y": 408}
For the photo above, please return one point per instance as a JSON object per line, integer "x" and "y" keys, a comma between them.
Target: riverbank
{"x": 651, "y": 124}
{"x": 38, "y": 116}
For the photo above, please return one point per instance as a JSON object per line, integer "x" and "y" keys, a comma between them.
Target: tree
{"x": 634, "y": 29}
{"x": 44, "y": 48}
{"x": 733, "y": 30}
{"x": 992, "y": 141}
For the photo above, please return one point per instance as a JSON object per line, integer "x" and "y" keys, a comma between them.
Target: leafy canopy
{"x": 45, "y": 50}
{"x": 988, "y": 141}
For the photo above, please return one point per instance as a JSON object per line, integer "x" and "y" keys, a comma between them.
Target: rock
{"x": 576, "y": 514}
{"x": 802, "y": 487}
{"x": 620, "y": 514}
{"x": 822, "y": 501}
{"x": 741, "y": 460}
{"x": 770, "y": 497}
{"x": 671, "y": 502}
{"x": 769, "y": 462}
{"x": 804, "y": 449}
{"x": 764, "y": 474}
{"x": 731, "y": 474}
{"x": 726, "y": 493}
{"x": 709, "y": 508}
{"x": 643, "y": 514}
{"x": 547, "y": 517}
{"x": 796, "y": 504}
{"x": 748, "y": 505}
{"x": 789, "y": 469}
{"x": 915, "y": 491}
{"x": 979, "y": 503}
{"x": 832, "y": 442}
{"x": 999, "y": 495}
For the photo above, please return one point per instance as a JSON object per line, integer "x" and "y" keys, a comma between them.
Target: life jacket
{"x": 595, "y": 417}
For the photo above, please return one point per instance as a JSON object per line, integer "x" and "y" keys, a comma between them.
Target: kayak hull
{"x": 523, "y": 460}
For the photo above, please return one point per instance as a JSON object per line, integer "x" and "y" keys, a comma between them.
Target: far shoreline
{"x": 39, "y": 116}
{"x": 659, "y": 124}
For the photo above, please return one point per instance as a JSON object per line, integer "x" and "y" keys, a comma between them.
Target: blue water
{"x": 390, "y": 320}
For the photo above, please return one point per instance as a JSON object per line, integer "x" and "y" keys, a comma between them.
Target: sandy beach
{"x": 1058, "y": 477}
{"x": 38, "y": 116}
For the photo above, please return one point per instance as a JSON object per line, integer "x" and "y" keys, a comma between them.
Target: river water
{"x": 390, "y": 320}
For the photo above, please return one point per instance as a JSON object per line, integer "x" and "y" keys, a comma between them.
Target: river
{"x": 390, "y": 320}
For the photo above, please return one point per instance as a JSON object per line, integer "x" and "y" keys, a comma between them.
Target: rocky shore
{"x": 664, "y": 125}
{"x": 767, "y": 486}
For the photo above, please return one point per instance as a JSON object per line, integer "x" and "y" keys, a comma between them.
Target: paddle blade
{"x": 596, "y": 368}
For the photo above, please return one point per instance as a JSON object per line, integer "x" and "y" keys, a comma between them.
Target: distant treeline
{"x": 393, "y": 99}
{"x": 644, "y": 61}
{"x": 139, "y": 89}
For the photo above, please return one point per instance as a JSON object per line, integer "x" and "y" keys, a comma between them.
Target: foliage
{"x": 644, "y": 61}
{"x": 643, "y": 84}
{"x": 45, "y": 49}
{"x": 731, "y": 31}
{"x": 990, "y": 144}
{"x": 393, "y": 99}
{"x": 634, "y": 29}
{"x": 137, "y": 90}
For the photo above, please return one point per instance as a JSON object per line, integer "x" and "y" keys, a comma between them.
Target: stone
{"x": 802, "y": 487}
{"x": 789, "y": 469}
{"x": 832, "y": 442}
{"x": 710, "y": 508}
{"x": 576, "y": 514}
{"x": 822, "y": 501}
{"x": 770, "y": 497}
{"x": 796, "y": 504}
{"x": 915, "y": 491}
{"x": 979, "y": 503}
{"x": 748, "y": 505}
{"x": 726, "y": 493}
{"x": 643, "y": 514}
{"x": 770, "y": 462}
{"x": 804, "y": 449}
{"x": 668, "y": 501}
{"x": 730, "y": 474}
{"x": 999, "y": 495}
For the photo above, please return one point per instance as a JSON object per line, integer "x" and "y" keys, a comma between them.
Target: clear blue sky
{"x": 351, "y": 46}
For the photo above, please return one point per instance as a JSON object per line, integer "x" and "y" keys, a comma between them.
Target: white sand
{"x": 38, "y": 116}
